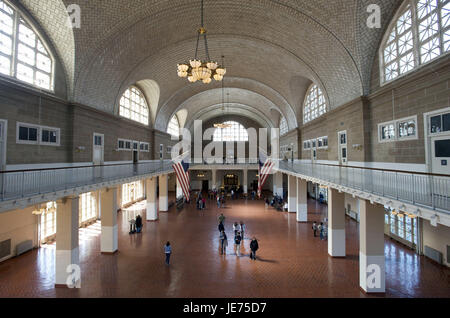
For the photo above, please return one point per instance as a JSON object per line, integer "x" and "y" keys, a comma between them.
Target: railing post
{"x": 432, "y": 193}
{"x": 23, "y": 178}
{"x": 413, "y": 189}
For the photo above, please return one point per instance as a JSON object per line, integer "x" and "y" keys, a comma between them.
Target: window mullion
{"x": 415, "y": 29}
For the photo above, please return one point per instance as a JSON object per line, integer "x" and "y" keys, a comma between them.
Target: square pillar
{"x": 278, "y": 183}
{"x": 152, "y": 211}
{"x": 214, "y": 179}
{"x": 372, "y": 273}
{"x": 292, "y": 194}
{"x": 163, "y": 193}
{"x": 108, "y": 206}
{"x": 245, "y": 181}
{"x": 67, "y": 271}
{"x": 302, "y": 200}
{"x": 336, "y": 223}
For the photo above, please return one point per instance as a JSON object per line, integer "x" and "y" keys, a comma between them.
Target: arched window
{"x": 23, "y": 54}
{"x": 419, "y": 34}
{"x": 174, "y": 126}
{"x": 133, "y": 106}
{"x": 283, "y": 126}
{"x": 315, "y": 104}
{"x": 233, "y": 132}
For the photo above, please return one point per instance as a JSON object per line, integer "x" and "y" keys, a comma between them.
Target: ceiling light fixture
{"x": 198, "y": 70}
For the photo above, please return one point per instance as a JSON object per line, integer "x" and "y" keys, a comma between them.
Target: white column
{"x": 336, "y": 223}
{"x": 278, "y": 183}
{"x": 302, "y": 200}
{"x": 109, "y": 238}
{"x": 214, "y": 178}
{"x": 67, "y": 251}
{"x": 292, "y": 194}
{"x": 152, "y": 211}
{"x": 372, "y": 273}
{"x": 179, "y": 188}
{"x": 163, "y": 193}
{"x": 245, "y": 181}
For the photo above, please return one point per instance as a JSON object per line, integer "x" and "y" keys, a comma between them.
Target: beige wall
{"x": 19, "y": 226}
{"x": 437, "y": 238}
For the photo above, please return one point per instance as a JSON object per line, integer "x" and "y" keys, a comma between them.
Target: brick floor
{"x": 291, "y": 262}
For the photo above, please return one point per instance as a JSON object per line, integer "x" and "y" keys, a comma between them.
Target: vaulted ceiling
{"x": 273, "y": 51}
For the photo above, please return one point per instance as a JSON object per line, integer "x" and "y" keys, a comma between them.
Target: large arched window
{"x": 419, "y": 34}
{"x": 283, "y": 126}
{"x": 174, "y": 127}
{"x": 315, "y": 104}
{"x": 233, "y": 132}
{"x": 23, "y": 54}
{"x": 133, "y": 106}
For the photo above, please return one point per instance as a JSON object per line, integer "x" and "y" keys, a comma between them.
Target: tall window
{"x": 132, "y": 192}
{"x": 420, "y": 34}
{"x": 88, "y": 206}
{"x": 315, "y": 104}
{"x": 23, "y": 54}
{"x": 283, "y": 126}
{"x": 133, "y": 106}
{"x": 174, "y": 126}
{"x": 234, "y": 132}
{"x": 48, "y": 221}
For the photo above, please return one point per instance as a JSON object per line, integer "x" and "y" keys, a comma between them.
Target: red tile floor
{"x": 291, "y": 262}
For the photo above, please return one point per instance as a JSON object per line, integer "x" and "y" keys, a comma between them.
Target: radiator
{"x": 5, "y": 248}
{"x": 24, "y": 247}
{"x": 433, "y": 254}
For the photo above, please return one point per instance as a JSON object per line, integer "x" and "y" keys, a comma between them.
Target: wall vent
{"x": 24, "y": 247}
{"x": 5, "y": 248}
{"x": 435, "y": 255}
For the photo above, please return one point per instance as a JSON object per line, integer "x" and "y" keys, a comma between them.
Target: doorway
{"x": 342, "y": 145}
{"x": 205, "y": 185}
{"x": 440, "y": 155}
{"x": 313, "y": 150}
{"x": 135, "y": 152}
{"x": 98, "y": 149}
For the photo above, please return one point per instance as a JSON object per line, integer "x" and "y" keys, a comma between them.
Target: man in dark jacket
{"x": 139, "y": 224}
{"x": 253, "y": 247}
{"x": 221, "y": 227}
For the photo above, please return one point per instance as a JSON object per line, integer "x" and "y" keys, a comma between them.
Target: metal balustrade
{"x": 27, "y": 183}
{"x": 428, "y": 190}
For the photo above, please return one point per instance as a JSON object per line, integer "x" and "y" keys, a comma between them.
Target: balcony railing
{"x": 423, "y": 189}
{"x": 27, "y": 183}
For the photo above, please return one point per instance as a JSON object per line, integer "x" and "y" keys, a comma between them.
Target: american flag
{"x": 182, "y": 171}
{"x": 265, "y": 165}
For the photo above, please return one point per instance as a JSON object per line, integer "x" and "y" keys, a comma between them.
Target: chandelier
{"x": 223, "y": 125}
{"x": 198, "y": 70}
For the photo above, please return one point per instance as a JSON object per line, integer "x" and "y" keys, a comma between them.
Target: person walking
{"x": 225, "y": 243}
{"x": 138, "y": 224}
{"x": 203, "y": 203}
{"x": 321, "y": 229}
{"x": 221, "y": 218}
{"x": 314, "y": 227}
{"x": 221, "y": 241}
{"x": 236, "y": 228}
{"x": 218, "y": 201}
{"x": 168, "y": 252}
{"x": 237, "y": 244}
{"x": 243, "y": 228}
{"x": 254, "y": 246}
{"x": 221, "y": 227}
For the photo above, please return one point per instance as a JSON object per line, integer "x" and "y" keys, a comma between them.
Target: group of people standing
{"x": 321, "y": 228}
{"x": 201, "y": 202}
{"x": 239, "y": 235}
